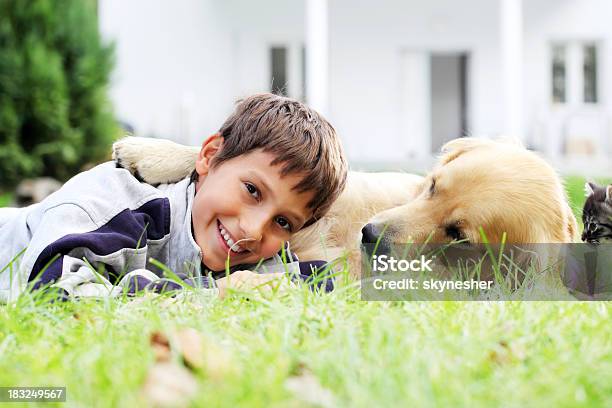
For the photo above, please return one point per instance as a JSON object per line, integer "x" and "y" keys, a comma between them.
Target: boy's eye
{"x": 284, "y": 223}
{"x": 252, "y": 190}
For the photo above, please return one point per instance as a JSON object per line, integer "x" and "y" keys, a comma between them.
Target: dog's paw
{"x": 127, "y": 153}
{"x": 148, "y": 159}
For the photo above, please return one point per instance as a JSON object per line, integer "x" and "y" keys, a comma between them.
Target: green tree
{"x": 54, "y": 71}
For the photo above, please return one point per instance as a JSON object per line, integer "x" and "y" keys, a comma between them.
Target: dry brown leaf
{"x": 518, "y": 350}
{"x": 191, "y": 345}
{"x": 169, "y": 385}
{"x": 199, "y": 352}
{"x": 506, "y": 353}
{"x": 307, "y": 388}
{"x": 196, "y": 350}
{"x": 84, "y": 318}
{"x": 218, "y": 363}
{"x": 161, "y": 346}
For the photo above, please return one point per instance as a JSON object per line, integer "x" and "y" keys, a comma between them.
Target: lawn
{"x": 305, "y": 349}
{"x": 343, "y": 351}
{"x": 5, "y": 199}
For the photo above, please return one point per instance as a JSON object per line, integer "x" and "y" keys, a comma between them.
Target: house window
{"x": 559, "y": 74}
{"x": 589, "y": 69}
{"x": 574, "y": 73}
{"x": 278, "y": 64}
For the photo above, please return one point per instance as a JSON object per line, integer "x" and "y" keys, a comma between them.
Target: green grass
{"x": 5, "y": 199}
{"x": 366, "y": 354}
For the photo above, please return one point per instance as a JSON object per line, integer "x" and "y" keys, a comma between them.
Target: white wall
{"x": 366, "y": 40}
{"x": 171, "y": 61}
{"x": 546, "y": 21}
{"x": 445, "y": 99}
{"x": 182, "y": 64}
{"x": 191, "y": 59}
{"x": 255, "y": 26}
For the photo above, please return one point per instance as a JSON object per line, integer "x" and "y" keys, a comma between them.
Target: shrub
{"x": 54, "y": 70}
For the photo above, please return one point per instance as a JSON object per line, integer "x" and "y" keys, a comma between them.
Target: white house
{"x": 397, "y": 78}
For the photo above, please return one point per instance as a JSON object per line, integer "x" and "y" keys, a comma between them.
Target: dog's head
{"x": 499, "y": 187}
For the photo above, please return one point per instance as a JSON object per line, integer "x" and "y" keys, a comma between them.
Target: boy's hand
{"x": 246, "y": 280}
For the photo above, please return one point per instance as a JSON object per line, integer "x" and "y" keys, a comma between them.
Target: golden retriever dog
{"x": 497, "y": 187}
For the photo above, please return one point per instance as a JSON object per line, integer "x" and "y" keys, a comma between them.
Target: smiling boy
{"x": 274, "y": 167}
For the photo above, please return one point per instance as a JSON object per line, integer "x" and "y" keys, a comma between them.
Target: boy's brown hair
{"x": 300, "y": 138}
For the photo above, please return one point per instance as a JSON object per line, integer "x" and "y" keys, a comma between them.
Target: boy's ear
{"x": 210, "y": 148}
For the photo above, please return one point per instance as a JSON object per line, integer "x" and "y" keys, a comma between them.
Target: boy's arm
{"x": 70, "y": 252}
{"x": 315, "y": 274}
{"x": 55, "y": 234}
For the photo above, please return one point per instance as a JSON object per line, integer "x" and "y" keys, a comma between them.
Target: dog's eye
{"x": 432, "y": 187}
{"x": 454, "y": 233}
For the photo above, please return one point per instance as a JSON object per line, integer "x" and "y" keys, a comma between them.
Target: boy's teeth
{"x": 230, "y": 242}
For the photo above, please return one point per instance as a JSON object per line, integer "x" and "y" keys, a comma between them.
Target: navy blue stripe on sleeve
{"x": 45, "y": 276}
{"x": 128, "y": 229}
{"x": 311, "y": 272}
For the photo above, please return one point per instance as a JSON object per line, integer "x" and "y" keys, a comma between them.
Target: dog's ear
{"x": 572, "y": 226}
{"x": 455, "y": 148}
{"x": 510, "y": 140}
{"x": 609, "y": 194}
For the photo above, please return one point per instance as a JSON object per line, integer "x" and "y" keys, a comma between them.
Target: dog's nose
{"x": 369, "y": 234}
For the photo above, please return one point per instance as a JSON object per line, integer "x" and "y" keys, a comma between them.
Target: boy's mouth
{"x": 227, "y": 240}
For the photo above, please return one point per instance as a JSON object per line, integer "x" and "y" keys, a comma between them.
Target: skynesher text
{"x": 431, "y": 284}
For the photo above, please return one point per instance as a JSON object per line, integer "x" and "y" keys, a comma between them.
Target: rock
{"x": 31, "y": 191}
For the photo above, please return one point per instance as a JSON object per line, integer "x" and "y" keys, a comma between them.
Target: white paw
{"x": 127, "y": 152}
{"x": 155, "y": 161}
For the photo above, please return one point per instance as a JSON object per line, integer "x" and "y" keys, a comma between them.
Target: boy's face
{"x": 244, "y": 198}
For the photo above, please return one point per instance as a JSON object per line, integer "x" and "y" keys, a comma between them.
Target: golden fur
{"x": 499, "y": 186}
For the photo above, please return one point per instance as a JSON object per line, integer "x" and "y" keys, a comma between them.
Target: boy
{"x": 274, "y": 167}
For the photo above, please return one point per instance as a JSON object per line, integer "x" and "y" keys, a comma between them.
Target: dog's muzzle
{"x": 373, "y": 236}
{"x": 369, "y": 234}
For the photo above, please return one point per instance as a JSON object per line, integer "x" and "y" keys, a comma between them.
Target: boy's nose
{"x": 252, "y": 229}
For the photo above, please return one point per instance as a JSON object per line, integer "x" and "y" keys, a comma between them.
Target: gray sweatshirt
{"x": 96, "y": 236}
